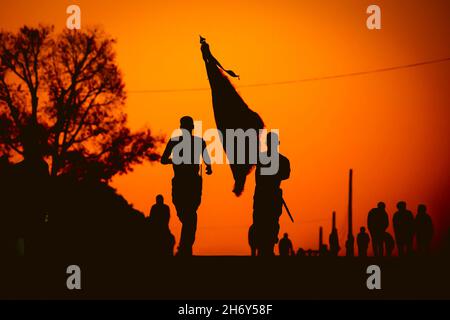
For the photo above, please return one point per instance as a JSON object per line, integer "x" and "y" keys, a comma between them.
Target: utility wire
{"x": 287, "y": 82}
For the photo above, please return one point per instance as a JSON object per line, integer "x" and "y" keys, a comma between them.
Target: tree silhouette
{"x": 68, "y": 88}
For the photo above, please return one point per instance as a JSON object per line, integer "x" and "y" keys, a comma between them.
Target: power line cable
{"x": 311, "y": 79}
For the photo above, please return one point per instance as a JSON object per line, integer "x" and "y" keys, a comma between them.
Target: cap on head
{"x": 422, "y": 208}
{"x": 187, "y": 123}
{"x": 381, "y": 205}
{"x": 401, "y": 205}
{"x": 202, "y": 39}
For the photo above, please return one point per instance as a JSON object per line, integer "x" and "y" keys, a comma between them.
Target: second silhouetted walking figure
{"x": 268, "y": 199}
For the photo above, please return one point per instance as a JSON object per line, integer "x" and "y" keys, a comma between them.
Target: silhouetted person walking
{"x": 389, "y": 244}
{"x": 377, "y": 222}
{"x": 424, "y": 230}
{"x": 184, "y": 152}
{"x": 362, "y": 240}
{"x": 403, "y": 229}
{"x": 268, "y": 199}
{"x": 285, "y": 246}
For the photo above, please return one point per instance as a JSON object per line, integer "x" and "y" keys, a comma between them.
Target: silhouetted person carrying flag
{"x": 162, "y": 239}
{"x": 268, "y": 199}
{"x": 285, "y": 246}
{"x": 230, "y": 112}
{"x": 403, "y": 229}
{"x": 424, "y": 230}
{"x": 377, "y": 222}
{"x": 362, "y": 240}
{"x": 389, "y": 244}
{"x": 184, "y": 152}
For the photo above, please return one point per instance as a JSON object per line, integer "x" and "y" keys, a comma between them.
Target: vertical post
{"x": 333, "y": 224}
{"x": 350, "y": 244}
{"x": 350, "y": 203}
{"x": 320, "y": 238}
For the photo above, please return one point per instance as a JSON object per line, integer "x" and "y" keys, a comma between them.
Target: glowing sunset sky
{"x": 392, "y": 128}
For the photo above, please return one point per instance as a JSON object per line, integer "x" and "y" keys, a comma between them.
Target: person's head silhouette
{"x": 362, "y": 230}
{"x": 285, "y": 236}
{"x": 401, "y": 205}
{"x": 159, "y": 199}
{"x": 381, "y": 205}
{"x": 422, "y": 208}
{"x": 187, "y": 123}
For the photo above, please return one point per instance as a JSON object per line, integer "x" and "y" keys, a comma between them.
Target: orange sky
{"x": 391, "y": 128}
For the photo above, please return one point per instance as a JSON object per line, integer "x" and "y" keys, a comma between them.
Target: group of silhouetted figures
{"x": 407, "y": 228}
{"x": 40, "y": 214}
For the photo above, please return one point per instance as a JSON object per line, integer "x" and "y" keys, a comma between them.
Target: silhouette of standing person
{"x": 389, "y": 244}
{"x": 30, "y": 190}
{"x": 424, "y": 230}
{"x": 162, "y": 238}
{"x": 377, "y": 222}
{"x": 334, "y": 243}
{"x": 160, "y": 212}
{"x": 268, "y": 199}
{"x": 362, "y": 240}
{"x": 285, "y": 246}
{"x": 403, "y": 229}
{"x": 184, "y": 153}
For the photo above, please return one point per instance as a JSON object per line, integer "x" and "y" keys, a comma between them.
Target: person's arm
{"x": 206, "y": 158}
{"x": 165, "y": 159}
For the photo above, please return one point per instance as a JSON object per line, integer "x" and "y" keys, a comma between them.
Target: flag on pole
{"x": 230, "y": 111}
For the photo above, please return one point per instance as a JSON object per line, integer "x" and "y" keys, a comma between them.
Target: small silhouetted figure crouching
{"x": 162, "y": 239}
{"x": 285, "y": 246}
{"x": 403, "y": 229}
{"x": 424, "y": 230}
{"x": 362, "y": 240}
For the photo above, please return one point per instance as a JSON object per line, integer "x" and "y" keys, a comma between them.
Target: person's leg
{"x": 182, "y": 244}
{"x": 374, "y": 244}
{"x": 191, "y": 229}
{"x": 401, "y": 249}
